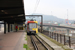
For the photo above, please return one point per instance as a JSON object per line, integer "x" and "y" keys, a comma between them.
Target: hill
{"x": 52, "y": 18}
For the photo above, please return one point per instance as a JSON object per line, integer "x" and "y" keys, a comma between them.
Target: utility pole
{"x": 67, "y": 16}
{"x": 67, "y": 13}
{"x": 51, "y": 12}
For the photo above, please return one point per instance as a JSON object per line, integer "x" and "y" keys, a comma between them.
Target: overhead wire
{"x": 36, "y": 5}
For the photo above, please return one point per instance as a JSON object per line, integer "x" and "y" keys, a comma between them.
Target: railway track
{"x": 39, "y": 44}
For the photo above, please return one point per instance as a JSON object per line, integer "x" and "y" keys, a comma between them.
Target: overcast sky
{"x": 58, "y": 8}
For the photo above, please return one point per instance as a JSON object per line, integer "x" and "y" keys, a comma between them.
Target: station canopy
{"x": 12, "y": 11}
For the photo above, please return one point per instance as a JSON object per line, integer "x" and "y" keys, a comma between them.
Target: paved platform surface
{"x": 54, "y": 46}
{"x": 12, "y": 40}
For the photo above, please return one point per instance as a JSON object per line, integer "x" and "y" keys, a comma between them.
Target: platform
{"x": 12, "y": 40}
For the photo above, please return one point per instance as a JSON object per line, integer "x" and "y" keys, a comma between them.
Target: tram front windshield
{"x": 32, "y": 25}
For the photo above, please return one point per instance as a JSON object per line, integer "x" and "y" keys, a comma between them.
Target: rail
{"x": 35, "y": 45}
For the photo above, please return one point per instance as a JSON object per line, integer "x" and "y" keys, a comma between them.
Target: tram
{"x": 32, "y": 27}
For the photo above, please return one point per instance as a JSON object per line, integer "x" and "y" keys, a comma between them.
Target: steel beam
{"x": 4, "y": 27}
{"x": 8, "y": 27}
{"x": 38, "y": 16}
{"x": 60, "y": 27}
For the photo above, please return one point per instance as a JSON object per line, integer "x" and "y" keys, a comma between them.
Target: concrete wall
{"x": 2, "y": 28}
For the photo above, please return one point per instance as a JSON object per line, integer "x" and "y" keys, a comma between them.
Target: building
{"x": 66, "y": 21}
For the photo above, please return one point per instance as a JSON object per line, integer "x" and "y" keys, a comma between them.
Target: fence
{"x": 61, "y": 38}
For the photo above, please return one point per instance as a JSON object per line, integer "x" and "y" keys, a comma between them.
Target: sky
{"x": 56, "y": 8}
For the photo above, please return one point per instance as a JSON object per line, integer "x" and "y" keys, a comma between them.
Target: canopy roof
{"x": 12, "y": 11}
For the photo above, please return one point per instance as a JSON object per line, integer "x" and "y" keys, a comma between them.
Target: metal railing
{"x": 61, "y": 38}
